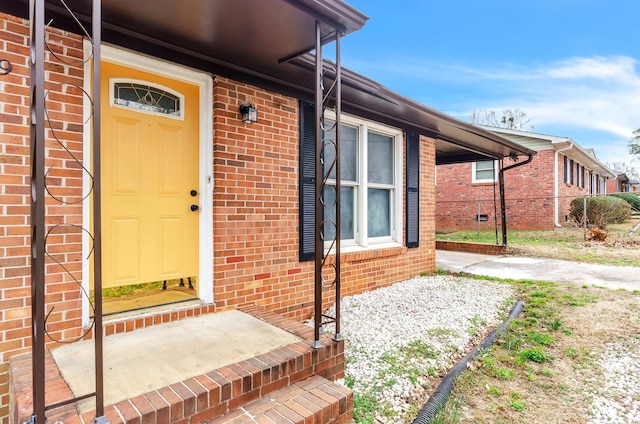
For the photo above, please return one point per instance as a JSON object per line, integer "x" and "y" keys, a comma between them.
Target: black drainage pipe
{"x": 439, "y": 398}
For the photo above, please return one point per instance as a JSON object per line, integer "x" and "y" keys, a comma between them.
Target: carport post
{"x": 503, "y": 208}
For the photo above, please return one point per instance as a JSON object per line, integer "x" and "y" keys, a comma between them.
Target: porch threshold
{"x": 194, "y": 369}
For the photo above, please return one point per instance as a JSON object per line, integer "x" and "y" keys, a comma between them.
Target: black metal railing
{"x": 42, "y": 188}
{"x": 327, "y": 272}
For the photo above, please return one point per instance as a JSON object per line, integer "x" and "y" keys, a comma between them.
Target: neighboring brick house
{"x": 621, "y": 183}
{"x": 537, "y": 194}
{"x": 241, "y": 235}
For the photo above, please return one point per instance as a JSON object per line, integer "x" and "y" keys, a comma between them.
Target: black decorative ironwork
{"x": 327, "y": 273}
{"x": 43, "y": 182}
{"x": 5, "y": 67}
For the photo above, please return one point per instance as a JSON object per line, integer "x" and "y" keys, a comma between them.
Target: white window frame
{"x": 476, "y": 180}
{"x": 361, "y": 241}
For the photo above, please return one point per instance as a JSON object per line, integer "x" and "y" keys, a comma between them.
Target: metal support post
{"x": 38, "y": 231}
{"x": 328, "y": 93}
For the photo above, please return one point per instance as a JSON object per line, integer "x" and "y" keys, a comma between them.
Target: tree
{"x": 628, "y": 170}
{"x": 513, "y": 119}
{"x": 634, "y": 143}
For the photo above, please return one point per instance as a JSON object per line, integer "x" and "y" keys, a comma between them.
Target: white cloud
{"x": 597, "y": 97}
{"x": 578, "y": 94}
{"x": 599, "y": 67}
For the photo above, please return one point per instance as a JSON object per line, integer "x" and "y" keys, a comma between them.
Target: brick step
{"x": 315, "y": 400}
{"x": 207, "y": 396}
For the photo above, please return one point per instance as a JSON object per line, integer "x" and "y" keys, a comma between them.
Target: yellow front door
{"x": 149, "y": 157}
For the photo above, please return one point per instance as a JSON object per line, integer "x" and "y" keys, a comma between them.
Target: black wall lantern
{"x": 249, "y": 113}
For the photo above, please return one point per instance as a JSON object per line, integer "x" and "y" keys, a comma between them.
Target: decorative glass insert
{"x": 144, "y": 97}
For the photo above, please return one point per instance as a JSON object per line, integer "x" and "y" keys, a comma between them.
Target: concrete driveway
{"x": 516, "y": 267}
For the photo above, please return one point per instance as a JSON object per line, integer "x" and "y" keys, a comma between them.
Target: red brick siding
{"x": 255, "y": 214}
{"x": 256, "y": 240}
{"x": 64, "y": 105}
{"x": 613, "y": 185}
{"x": 529, "y": 196}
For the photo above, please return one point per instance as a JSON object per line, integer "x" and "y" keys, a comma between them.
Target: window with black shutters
{"x": 371, "y": 184}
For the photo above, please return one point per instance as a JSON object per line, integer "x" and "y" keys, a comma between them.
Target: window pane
{"x": 146, "y": 97}
{"x": 346, "y": 213}
{"x": 380, "y": 157}
{"x": 348, "y": 152}
{"x": 485, "y": 170}
{"x": 379, "y": 216}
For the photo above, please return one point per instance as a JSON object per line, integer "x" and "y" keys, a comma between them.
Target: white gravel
{"x": 398, "y": 335}
{"x": 617, "y": 401}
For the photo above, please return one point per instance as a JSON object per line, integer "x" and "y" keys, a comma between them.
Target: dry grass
{"x": 621, "y": 247}
{"x": 501, "y": 387}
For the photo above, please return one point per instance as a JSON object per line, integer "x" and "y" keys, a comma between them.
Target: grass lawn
{"x": 544, "y": 368}
{"x": 621, "y": 247}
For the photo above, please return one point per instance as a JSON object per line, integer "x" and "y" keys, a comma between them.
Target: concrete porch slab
{"x": 151, "y": 358}
{"x": 203, "y": 397}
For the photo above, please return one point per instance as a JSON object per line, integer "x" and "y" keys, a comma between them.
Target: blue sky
{"x": 571, "y": 65}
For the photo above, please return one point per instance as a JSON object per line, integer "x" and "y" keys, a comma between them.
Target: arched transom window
{"x": 146, "y": 97}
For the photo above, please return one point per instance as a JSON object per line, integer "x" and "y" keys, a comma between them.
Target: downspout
{"x": 556, "y": 193}
{"x": 503, "y": 208}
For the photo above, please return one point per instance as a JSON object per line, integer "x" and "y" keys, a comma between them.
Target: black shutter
{"x": 413, "y": 190}
{"x": 307, "y": 181}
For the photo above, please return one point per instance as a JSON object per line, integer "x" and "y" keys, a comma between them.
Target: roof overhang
{"x": 254, "y": 36}
{"x": 264, "y": 43}
{"x": 578, "y": 153}
{"x": 567, "y": 145}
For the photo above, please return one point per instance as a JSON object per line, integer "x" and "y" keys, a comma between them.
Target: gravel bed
{"x": 617, "y": 401}
{"x": 398, "y": 336}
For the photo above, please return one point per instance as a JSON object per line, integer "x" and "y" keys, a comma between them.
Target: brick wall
{"x": 64, "y": 106}
{"x": 568, "y": 191}
{"x": 256, "y": 240}
{"x": 529, "y": 196}
{"x": 255, "y": 214}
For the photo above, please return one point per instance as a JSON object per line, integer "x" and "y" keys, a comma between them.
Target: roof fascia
{"x": 527, "y": 134}
{"x": 560, "y": 143}
{"x": 586, "y": 159}
{"x": 336, "y": 13}
{"x": 363, "y": 83}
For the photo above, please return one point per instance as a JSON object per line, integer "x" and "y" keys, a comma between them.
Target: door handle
{"x": 194, "y": 208}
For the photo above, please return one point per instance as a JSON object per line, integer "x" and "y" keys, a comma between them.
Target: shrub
{"x": 630, "y": 198}
{"x": 601, "y": 211}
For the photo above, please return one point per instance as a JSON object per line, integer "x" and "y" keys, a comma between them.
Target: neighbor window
{"x": 484, "y": 171}
{"x": 571, "y": 171}
{"x": 370, "y": 195}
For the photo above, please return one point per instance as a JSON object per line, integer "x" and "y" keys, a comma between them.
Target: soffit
{"x": 250, "y": 34}
{"x": 250, "y": 40}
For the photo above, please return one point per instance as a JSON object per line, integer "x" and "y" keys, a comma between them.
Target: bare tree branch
{"x": 513, "y": 119}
